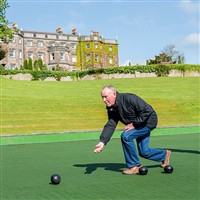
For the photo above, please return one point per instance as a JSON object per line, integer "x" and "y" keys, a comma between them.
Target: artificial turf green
{"x": 74, "y": 136}
{"x": 26, "y": 171}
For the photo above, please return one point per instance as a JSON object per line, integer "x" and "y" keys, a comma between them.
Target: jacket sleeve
{"x": 142, "y": 110}
{"x": 109, "y": 128}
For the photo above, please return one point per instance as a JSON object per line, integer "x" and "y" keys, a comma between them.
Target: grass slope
{"x": 35, "y": 107}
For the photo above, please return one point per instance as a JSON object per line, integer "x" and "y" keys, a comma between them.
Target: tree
{"x": 168, "y": 55}
{"x": 181, "y": 59}
{"x": 30, "y": 64}
{"x": 171, "y": 51}
{"x": 35, "y": 65}
{"x": 2, "y": 53}
{"x": 6, "y": 33}
{"x": 40, "y": 64}
{"x": 25, "y": 66}
{"x": 161, "y": 58}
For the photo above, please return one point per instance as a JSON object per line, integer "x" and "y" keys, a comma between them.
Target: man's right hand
{"x": 99, "y": 147}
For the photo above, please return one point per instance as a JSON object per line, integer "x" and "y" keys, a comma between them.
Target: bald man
{"x": 139, "y": 119}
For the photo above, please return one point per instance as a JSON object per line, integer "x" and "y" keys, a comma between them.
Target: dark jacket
{"x": 129, "y": 108}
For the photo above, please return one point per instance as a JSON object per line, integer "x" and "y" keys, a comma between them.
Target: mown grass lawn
{"x": 39, "y": 106}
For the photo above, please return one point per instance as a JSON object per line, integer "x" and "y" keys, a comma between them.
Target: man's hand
{"x": 99, "y": 147}
{"x": 129, "y": 127}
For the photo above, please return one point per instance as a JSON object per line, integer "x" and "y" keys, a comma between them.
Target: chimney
{"x": 94, "y": 33}
{"x": 15, "y": 26}
{"x": 74, "y": 31}
{"x": 59, "y": 30}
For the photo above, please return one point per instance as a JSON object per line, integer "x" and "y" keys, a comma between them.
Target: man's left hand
{"x": 129, "y": 127}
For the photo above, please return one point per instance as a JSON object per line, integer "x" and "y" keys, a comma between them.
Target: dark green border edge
{"x": 90, "y": 135}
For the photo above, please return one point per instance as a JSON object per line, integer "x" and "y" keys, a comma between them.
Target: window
{"x": 30, "y": 55}
{"x": 13, "y": 40}
{"x": 96, "y": 45}
{"x": 73, "y": 46}
{"x": 11, "y": 66}
{"x": 110, "y": 60}
{"x": 87, "y": 46}
{"x": 74, "y": 59}
{"x": 63, "y": 44}
{"x": 20, "y": 54}
{"x": 41, "y": 55}
{"x": 52, "y": 44}
{"x": 40, "y": 44}
{"x": 12, "y": 53}
{"x": 52, "y": 56}
{"x": 20, "y": 40}
{"x": 96, "y": 58}
{"x": 29, "y": 43}
{"x": 88, "y": 57}
{"x": 62, "y": 56}
{"x": 110, "y": 48}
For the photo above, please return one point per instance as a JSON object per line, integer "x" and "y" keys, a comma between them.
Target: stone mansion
{"x": 67, "y": 51}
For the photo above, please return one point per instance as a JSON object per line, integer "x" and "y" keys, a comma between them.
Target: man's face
{"x": 108, "y": 96}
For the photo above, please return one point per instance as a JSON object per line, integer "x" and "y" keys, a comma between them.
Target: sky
{"x": 143, "y": 28}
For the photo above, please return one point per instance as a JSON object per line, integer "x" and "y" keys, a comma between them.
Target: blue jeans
{"x": 142, "y": 137}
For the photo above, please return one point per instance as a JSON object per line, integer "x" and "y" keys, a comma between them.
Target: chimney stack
{"x": 94, "y": 33}
{"x": 74, "y": 31}
{"x": 15, "y": 26}
{"x": 59, "y": 30}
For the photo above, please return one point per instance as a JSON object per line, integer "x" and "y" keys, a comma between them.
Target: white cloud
{"x": 193, "y": 39}
{"x": 189, "y": 6}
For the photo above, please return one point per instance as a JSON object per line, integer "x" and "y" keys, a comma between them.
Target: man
{"x": 139, "y": 119}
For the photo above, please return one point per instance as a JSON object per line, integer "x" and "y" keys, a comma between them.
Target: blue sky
{"x": 143, "y": 27}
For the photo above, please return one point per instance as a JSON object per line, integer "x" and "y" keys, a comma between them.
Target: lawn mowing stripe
{"x": 92, "y": 135}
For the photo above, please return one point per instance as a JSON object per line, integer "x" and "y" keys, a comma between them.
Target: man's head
{"x": 108, "y": 94}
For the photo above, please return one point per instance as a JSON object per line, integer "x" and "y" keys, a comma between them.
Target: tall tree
{"x": 6, "y": 33}
{"x": 2, "y": 52}
{"x": 170, "y": 50}
{"x": 181, "y": 59}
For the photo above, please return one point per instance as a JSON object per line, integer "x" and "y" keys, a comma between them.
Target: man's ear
{"x": 115, "y": 94}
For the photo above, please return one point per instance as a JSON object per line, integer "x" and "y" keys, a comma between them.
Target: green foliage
{"x": 25, "y": 66}
{"x": 6, "y": 33}
{"x": 35, "y": 65}
{"x": 82, "y": 52}
{"x": 162, "y": 57}
{"x": 162, "y": 70}
{"x": 40, "y": 75}
{"x": 1, "y": 69}
{"x": 180, "y": 59}
{"x": 185, "y": 67}
{"x": 2, "y": 52}
{"x": 30, "y": 64}
{"x": 41, "y": 65}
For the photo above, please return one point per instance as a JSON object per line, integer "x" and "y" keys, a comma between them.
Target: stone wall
{"x": 173, "y": 73}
